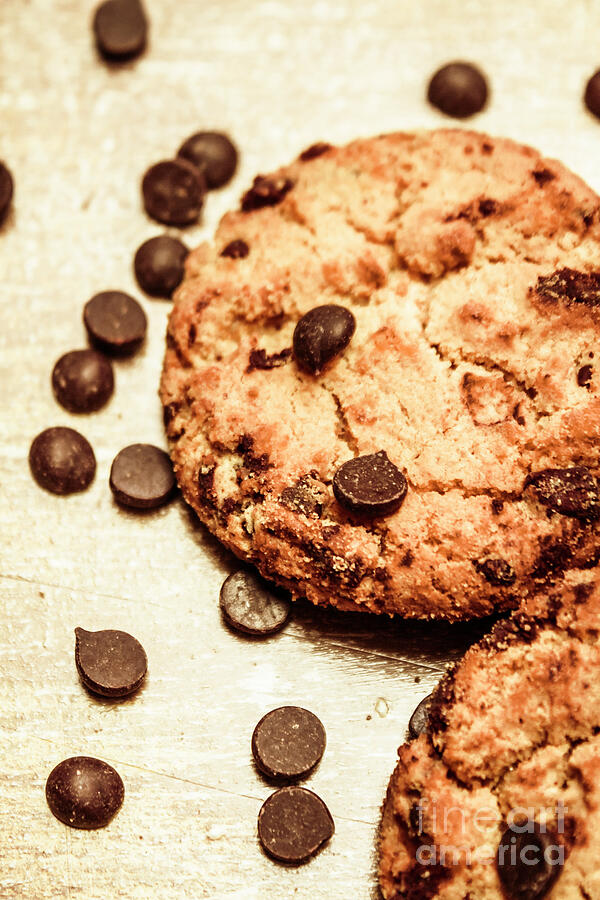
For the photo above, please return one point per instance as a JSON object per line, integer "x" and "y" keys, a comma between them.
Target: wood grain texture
{"x": 77, "y": 134}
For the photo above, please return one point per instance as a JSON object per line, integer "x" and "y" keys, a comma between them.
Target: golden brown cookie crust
{"x": 473, "y": 366}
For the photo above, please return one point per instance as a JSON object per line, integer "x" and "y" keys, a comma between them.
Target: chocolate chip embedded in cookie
{"x": 372, "y": 362}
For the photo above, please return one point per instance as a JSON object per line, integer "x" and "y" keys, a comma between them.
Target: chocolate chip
{"x": 84, "y": 792}
{"x": 265, "y": 192}
{"x": 570, "y": 286}
{"x": 458, "y": 89}
{"x": 159, "y": 265}
{"x": 543, "y": 176}
{"x": 62, "y": 461}
{"x": 110, "y": 663}
{"x": 584, "y": 376}
{"x": 82, "y": 381}
{"x": 173, "y": 192}
{"x": 314, "y": 151}
{"x": 591, "y": 96}
{"x": 496, "y": 571}
{"x": 214, "y": 154}
{"x": 115, "y": 322}
{"x": 419, "y": 721}
{"x": 293, "y": 824}
{"x": 237, "y": 249}
{"x": 120, "y": 27}
{"x": 141, "y": 477}
{"x": 250, "y": 605}
{"x": 528, "y": 863}
{"x": 497, "y": 506}
{"x": 288, "y": 742}
{"x": 322, "y": 334}
{"x": 304, "y": 497}
{"x": 370, "y": 484}
{"x": 6, "y": 190}
{"x": 570, "y": 492}
{"x": 260, "y": 359}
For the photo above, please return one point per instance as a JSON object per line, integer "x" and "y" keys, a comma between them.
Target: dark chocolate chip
{"x": 62, "y": 461}
{"x": 458, "y": 89}
{"x": 141, "y": 477}
{"x": 543, "y": 176}
{"x": 591, "y": 96}
{"x": 83, "y": 381}
{"x": 6, "y": 190}
{"x": 237, "y": 249}
{"x": 115, "y": 322}
{"x": 250, "y": 605}
{"x": 214, "y": 154}
{"x": 288, "y": 742}
{"x": 584, "y": 376}
{"x": 265, "y": 192}
{"x": 570, "y": 492}
{"x": 321, "y": 335}
{"x": 293, "y": 824}
{"x": 570, "y": 286}
{"x": 303, "y": 497}
{"x": 528, "y": 863}
{"x": 314, "y": 151}
{"x": 260, "y": 359}
{"x": 496, "y": 571}
{"x": 121, "y": 28}
{"x": 159, "y": 265}
{"x": 110, "y": 663}
{"x": 173, "y": 192}
{"x": 84, "y": 792}
{"x": 370, "y": 484}
{"x": 419, "y": 721}
{"x": 487, "y": 207}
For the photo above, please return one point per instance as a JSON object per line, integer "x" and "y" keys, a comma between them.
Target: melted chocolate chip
{"x": 173, "y": 192}
{"x": 293, "y": 824}
{"x": 237, "y": 249}
{"x": 214, "y": 154}
{"x": 288, "y": 742}
{"x": 584, "y": 376}
{"x": 543, "y": 176}
{"x": 250, "y": 605}
{"x": 419, "y": 721}
{"x": 115, "y": 322}
{"x": 260, "y": 359}
{"x": 6, "y": 191}
{"x": 591, "y": 96}
{"x": 120, "y": 27}
{"x": 570, "y": 492}
{"x": 321, "y": 335}
{"x": 110, "y": 663}
{"x": 371, "y": 485}
{"x": 159, "y": 265}
{"x": 458, "y": 89}
{"x": 62, "y": 461}
{"x": 265, "y": 192}
{"x": 83, "y": 381}
{"x": 528, "y": 863}
{"x": 496, "y": 571}
{"x": 141, "y": 477}
{"x": 570, "y": 286}
{"x": 84, "y": 792}
{"x": 304, "y": 497}
{"x": 314, "y": 151}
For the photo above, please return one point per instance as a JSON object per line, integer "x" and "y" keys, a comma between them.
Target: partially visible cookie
{"x": 501, "y": 798}
{"x": 462, "y": 370}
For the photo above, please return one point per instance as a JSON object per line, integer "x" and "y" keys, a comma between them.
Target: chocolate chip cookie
{"x": 389, "y": 399}
{"x": 500, "y": 798}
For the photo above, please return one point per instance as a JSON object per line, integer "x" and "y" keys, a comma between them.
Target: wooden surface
{"x": 279, "y": 75}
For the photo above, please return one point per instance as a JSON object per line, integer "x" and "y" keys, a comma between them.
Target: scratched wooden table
{"x": 78, "y": 135}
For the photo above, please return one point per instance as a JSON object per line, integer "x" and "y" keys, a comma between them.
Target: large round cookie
{"x": 472, "y": 267}
{"x": 513, "y": 746}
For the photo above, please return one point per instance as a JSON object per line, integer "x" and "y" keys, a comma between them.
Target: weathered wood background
{"x": 279, "y": 75}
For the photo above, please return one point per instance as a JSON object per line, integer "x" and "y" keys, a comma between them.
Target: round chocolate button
{"x": 84, "y": 792}
{"x": 213, "y": 153}
{"x": 120, "y": 27}
{"x": 62, "y": 461}
{"x": 6, "y": 190}
{"x": 159, "y": 265}
{"x": 141, "y": 477}
{"x": 250, "y": 605}
{"x": 592, "y": 94}
{"x": 321, "y": 335}
{"x": 115, "y": 322}
{"x": 371, "y": 485}
{"x": 293, "y": 824}
{"x": 82, "y": 381}
{"x": 288, "y": 742}
{"x": 110, "y": 663}
{"x": 173, "y": 192}
{"x": 458, "y": 89}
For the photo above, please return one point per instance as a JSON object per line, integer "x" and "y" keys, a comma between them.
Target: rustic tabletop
{"x": 78, "y": 134}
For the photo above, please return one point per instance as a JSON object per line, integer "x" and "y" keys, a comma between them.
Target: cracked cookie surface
{"x": 513, "y": 740}
{"x": 472, "y": 268}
